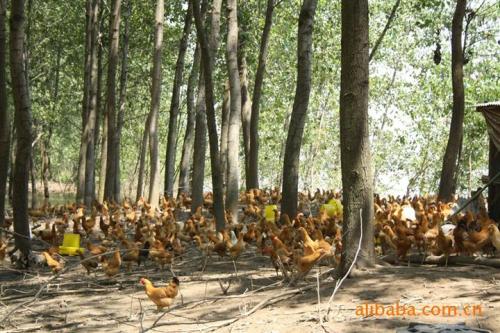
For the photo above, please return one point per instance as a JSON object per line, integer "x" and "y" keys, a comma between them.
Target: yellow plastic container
{"x": 269, "y": 212}
{"x": 333, "y": 208}
{"x": 71, "y": 245}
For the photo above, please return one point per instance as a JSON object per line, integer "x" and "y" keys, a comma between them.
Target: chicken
{"x": 162, "y": 296}
{"x": 96, "y": 249}
{"x": 55, "y": 265}
{"x": 88, "y": 224}
{"x": 132, "y": 254}
{"x": 111, "y": 266}
{"x": 444, "y": 244}
{"x": 310, "y": 246}
{"x": 3, "y": 249}
{"x": 306, "y": 262}
{"x": 159, "y": 255}
{"x": 238, "y": 248}
{"x": 494, "y": 236}
{"x": 88, "y": 264}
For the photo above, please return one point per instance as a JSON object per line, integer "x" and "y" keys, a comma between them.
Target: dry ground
{"x": 75, "y": 302}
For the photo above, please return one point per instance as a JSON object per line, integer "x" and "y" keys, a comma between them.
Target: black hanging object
{"x": 437, "y": 54}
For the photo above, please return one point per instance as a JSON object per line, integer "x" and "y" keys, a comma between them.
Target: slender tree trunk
{"x": 357, "y": 176}
{"x": 4, "y": 114}
{"x": 299, "y": 112}
{"x": 447, "y": 185}
{"x": 233, "y": 136}
{"x": 121, "y": 103}
{"x": 253, "y": 163}
{"x": 44, "y": 150}
{"x": 207, "y": 50}
{"x": 154, "y": 183}
{"x": 200, "y": 142}
{"x": 114, "y": 40}
{"x": 187, "y": 147}
{"x": 246, "y": 112}
{"x": 22, "y": 120}
{"x": 92, "y": 112}
{"x": 80, "y": 187}
{"x": 142, "y": 160}
{"x": 200, "y": 146}
{"x": 226, "y": 105}
{"x": 104, "y": 136}
{"x": 174, "y": 105}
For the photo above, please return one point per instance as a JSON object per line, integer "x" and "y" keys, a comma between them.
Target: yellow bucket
{"x": 333, "y": 208}
{"x": 71, "y": 245}
{"x": 269, "y": 212}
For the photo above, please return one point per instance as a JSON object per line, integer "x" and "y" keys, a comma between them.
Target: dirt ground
{"x": 75, "y": 302}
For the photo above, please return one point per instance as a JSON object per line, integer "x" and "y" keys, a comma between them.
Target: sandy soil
{"x": 75, "y": 302}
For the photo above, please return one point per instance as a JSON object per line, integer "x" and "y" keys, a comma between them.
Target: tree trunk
{"x": 226, "y": 105}
{"x": 174, "y": 105}
{"x": 253, "y": 163}
{"x": 447, "y": 185}
{"x": 80, "y": 186}
{"x": 357, "y": 176}
{"x": 187, "y": 147}
{"x": 142, "y": 160}
{"x": 44, "y": 150}
{"x": 207, "y": 54}
{"x": 200, "y": 146}
{"x": 299, "y": 112}
{"x": 92, "y": 111}
{"x": 154, "y": 182}
{"x": 104, "y": 136}
{"x": 233, "y": 136}
{"x": 114, "y": 40}
{"x": 22, "y": 120}
{"x": 4, "y": 115}
{"x": 246, "y": 112}
{"x": 200, "y": 141}
{"x": 121, "y": 103}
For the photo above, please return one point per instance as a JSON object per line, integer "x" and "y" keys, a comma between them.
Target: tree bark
{"x": 207, "y": 53}
{"x": 299, "y": 112}
{"x": 246, "y": 111}
{"x": 253, "y": 164}
{"x": 44, "y": 150}
{"x": 154, "y": 182}
{"x": 357, "y": 174}
{"x": 92, "y": 112}
{"x": 174, "y": 105}
{"x": 4, "y": 115}
{"x": 226, "y": 105}
{"x": 187, "y": 147}
{"x": 233, "y": 136}
{"x": 22, "y": 120}
{"x": 121, "y": 102}
{"x": 448, "y": 184}
{"x": 114, "y": 40}
{"x": 104, "y": 137}
{"x": 80, "y": 186}
{"x": 386, "y": 27}
{"x": 200, "y": 139}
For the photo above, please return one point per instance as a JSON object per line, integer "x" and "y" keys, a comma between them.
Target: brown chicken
{"x": 3, "y": 249}
{"x": 306, "y": 262}
{"x": 162, "y": 296}
{"x": 88, "y": 264}
{"x": 159, "y": 255}
{"x": 89, "y": 224}
{"x": 111, "y": 266}
{"x": 238, "y": 248}
{"x": 55, "y": 265}
{"x": 444, "y": 244}
{"x": 96, "y": 249}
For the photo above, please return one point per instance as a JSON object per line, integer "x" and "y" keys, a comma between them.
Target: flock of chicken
{"x": 119, "y": 235}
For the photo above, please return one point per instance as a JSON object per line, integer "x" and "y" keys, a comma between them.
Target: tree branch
{"x": 387, "y": 25}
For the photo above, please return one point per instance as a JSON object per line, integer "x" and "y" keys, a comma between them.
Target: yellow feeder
{"x": 269, "y": 212}
{"x": 71, "y": 245}
{"x": 333, "y": 208}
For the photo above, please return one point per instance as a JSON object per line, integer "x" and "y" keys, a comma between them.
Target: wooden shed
{"x": 491, "y": 113}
